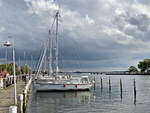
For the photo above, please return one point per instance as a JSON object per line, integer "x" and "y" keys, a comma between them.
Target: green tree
{"x": 132, "y": 69}
{"x": 25, "y": 69}
{"x": 2, "y": 67}
{"x": 10, "y": 68}
{"x": 22, "y": 70}
{"x": 144, "y": 65}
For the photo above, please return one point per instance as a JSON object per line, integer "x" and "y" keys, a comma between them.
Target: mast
{"x": 31, "y": 65}
{"x": 42, "y": 58}
{"x": 53, "y": 47}
{"x": 57, "y": 19}
{"x": 50, "y": 53}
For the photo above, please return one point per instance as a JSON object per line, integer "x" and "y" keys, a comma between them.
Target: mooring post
{"x": 4, "y": 83}
{"x": 10, "y": 81}
{"x": 134, "y": 83}
{"x": 101, "y": 83}
{"x": 20, "y": 103}
{"x": 24, "y": 101}
{"x": 1, "y": 83}
{"x": 13, "y": 109}
{"x": 120, "y": 88}
{"x": 94, "y": 83}
{"x": 109, "y": 85}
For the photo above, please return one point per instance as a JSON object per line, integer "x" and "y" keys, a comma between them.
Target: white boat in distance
{"x": 60, "y": 84}
{"x": 51, "y": 80}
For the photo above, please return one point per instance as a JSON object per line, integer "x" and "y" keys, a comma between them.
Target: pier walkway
{"x": 7, "y": 96}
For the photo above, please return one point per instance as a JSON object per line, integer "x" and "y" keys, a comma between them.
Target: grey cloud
{"x": 142, "y": 21}
{"x": 146, "y": 2}
{"x": 80, "y": 42}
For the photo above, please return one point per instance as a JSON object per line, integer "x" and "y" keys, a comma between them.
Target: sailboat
{"x": 51, "y": 79}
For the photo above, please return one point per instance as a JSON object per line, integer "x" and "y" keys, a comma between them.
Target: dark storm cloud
{"x": 146, "y": 2}
{"x": 141, "y": 21}
{"x": 97, "y": 35}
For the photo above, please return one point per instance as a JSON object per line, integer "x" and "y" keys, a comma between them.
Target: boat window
{"x": 84, "y": 80}
{"x": 74, "y": 80}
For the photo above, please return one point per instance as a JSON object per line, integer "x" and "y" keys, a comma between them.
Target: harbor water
{"x": 98, "y": 100}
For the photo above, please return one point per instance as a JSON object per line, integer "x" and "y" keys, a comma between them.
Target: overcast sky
{"x": 94, "y": 35}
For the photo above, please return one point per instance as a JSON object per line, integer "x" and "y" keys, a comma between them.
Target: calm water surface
{"x": 97, "y": 101}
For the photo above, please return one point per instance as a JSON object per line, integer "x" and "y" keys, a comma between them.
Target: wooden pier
{"x": 7, "y": 92}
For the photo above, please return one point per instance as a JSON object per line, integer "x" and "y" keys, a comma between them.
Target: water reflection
{"x": 55, "y": 102}
{"x": 120, "y": 100}
{"x": 69, "y": 97}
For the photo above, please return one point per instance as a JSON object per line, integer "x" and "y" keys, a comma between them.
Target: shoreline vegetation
{"x": 19, "y": 69}
{"x": 142, "y": 68}
{"x": 110, "y": 73}
{"x": 127, "y": 73}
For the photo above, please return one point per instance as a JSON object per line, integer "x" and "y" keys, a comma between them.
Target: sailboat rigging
{"x": 51, "y": 80}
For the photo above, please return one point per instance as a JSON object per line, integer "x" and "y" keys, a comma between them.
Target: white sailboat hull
{"x": 62, "y": 87}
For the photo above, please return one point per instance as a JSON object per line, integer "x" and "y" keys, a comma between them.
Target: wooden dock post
{"x": 94, "y": 83}
{"x": 101, "y": 83}
{"x": 10, "y": 80}
{"x": 134, "y": 83}
{"x": 4, "y": 83}
{"x": 13, "y": 109}
{"x": 120, "y": 88}
{"x": 1, "y": 83}
{"x": 24, "y": 101}
{"x": 109, "y": 85}
{"x": 25, "y": 94}
{"x": 20, "y": 103}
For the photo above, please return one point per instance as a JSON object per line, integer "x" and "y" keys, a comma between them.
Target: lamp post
{"x": 0, "y": 57}
{"x": 7, "y": 44}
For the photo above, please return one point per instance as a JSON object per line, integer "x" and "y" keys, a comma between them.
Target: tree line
{"x": 142, "y": 66}
{"x": 19, "y": 69}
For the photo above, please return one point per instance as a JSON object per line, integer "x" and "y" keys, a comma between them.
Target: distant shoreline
{"x": 111, "y": 73}
{"x": 129, "y": 74}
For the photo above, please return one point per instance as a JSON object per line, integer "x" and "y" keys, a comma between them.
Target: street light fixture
{"x": 8, "y": 44}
